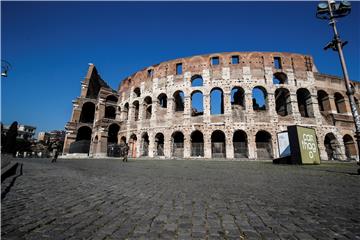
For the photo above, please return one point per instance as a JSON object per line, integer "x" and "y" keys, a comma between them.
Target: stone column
{"x": 206, "y": 103}
{"x": 227, "y": 103}
{"x": 154, "y": 109}
{"x": 252, "y": 146}
{"x": 295, "y": 108}
{"x": 187, "y": 109}
{"x": 271, "y": 107}
{"x": 151, "y": 144}
{"x": 170, "y": 108}
{"x": 207, "y": 145}
{"x": 187, "y": 148}
{"x": 167, "y": 145}
{"x": 229, "y": 145}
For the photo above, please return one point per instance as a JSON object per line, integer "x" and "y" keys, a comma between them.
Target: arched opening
{"x": 123, "y": 140}
{"x": 159, "y": 144}
{"x": 238, "y": 98}
{"x": 350, "y": 149}
{"x": 197, "y": 144}
{"x": 216, "y": 101}
{"x": 240, "y": 144}
{"x": 332, "y": 147}
{"x": 263, "y": 145}
{"x": 82, "y": 142}
{"x": 145, "y": 145}
{"x": 197, "y": 108}
{"x": 111, "y": 99}
{"x": 136, "y": 110}
{"x": 126, "y": 111}
{"x": 132, "y": 145}
{"x": 179, "y": 101}
{"x": 218, "y": 149}
{"x": 340, "y": 103}
{"x": 110, "y": 112}
{"x": 113, "y": 133}
{"x": 259, "y": 97}
{"x": 137, "y": 92}
{"x": 87, "y": 113}
{"x": 280, "y": 78}
{"x": 283, "y": 102}
{"x": 162, "y": 100}
{"x": 196, "y": 81}
{"x": 323, "y": 101}
{"x": 148, "y": 107}
{"x": 177, "y": 144}
{"x": 304, "y": 102}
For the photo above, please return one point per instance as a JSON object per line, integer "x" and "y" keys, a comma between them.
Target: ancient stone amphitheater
{"x": 224, "y": 105}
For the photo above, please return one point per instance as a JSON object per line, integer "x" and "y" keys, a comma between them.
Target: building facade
{"x": 223, "y": 105}
{"x": 26, "y": 132}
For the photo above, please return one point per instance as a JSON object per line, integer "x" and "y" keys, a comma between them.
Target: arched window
{"x": 123, "y": 140}
{"x": 197, "y": 103}
{"x": 240, "y": 144}
{"x": 218, "y": 149}
{"x": 263, "y": 145}
{"x": 340, "y": 103}
{"x": 132, "y": 145}
{"x": 136, "y": 110}
{"x": 177, "y": 144}
{"x": 179, "y": 101}
{"x": 196, "y": 81}
{"x": 332, "y": 147}
{"x": 323, "y": 101}
{"x": 238, "y": 97}
{"x": 259, "y": 97}
{"x": 159, "y": 144}
{"x": 304, "y": 102}
{"x": 110, "y": 112}
{"x": 113, "y": 133}
{"x": 145, "y": 144}
{"x": 197, "y": 144}
{"x": 148, "y": 107}
{"x": 350, "y": 149}
{"x": 283, "y": 102}
{"x": 111, "y": 98}
{"x": 82, "y": 142}
{"x": 126, "y": 111}
{"x": 84, "y": 133}
{"x": 162, "y": 100}
{"x": 280, "y": 78}
{"x": 137, "y": 92}
{"x": 87, "y": 113}
{"x": 216, "y": 101}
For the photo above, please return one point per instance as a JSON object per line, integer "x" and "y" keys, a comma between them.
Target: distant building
{"x": 52, "y": 136}
{"x": 24, "y": 131}
{"x": 43, "y": 136}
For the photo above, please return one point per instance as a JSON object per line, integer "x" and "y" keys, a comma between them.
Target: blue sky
{"x": 50, "y": 44}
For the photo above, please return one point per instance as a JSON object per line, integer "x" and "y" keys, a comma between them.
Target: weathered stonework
{"x": 138, "y": 114}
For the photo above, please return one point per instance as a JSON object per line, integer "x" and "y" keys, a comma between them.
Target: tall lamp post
{"x": 331, "y": 10}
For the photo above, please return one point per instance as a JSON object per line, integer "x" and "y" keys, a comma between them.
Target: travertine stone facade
{"x": 154, "y": 111}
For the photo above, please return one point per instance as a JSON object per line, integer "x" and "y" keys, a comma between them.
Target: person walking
{"x": 55, "y": 153}
{"x": 126, "y": 152}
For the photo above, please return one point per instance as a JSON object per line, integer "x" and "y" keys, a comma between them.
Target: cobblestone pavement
{"x": 156, "y": 199}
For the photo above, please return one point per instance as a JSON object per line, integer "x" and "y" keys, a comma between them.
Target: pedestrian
{"x": 55, "y": 153}
{"x": 126, "y": 152}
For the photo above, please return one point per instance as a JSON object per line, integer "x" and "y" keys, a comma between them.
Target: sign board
{"x": 284, "y": 145}
{"x": 303, "y": 144}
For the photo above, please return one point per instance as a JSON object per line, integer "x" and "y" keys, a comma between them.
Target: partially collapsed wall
{"x": 225, "y": 105}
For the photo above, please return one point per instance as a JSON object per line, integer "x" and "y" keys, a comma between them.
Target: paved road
{"x": 108, "y": 199}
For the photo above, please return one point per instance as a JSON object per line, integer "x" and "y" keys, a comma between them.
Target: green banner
{"x": 308, "y": 145}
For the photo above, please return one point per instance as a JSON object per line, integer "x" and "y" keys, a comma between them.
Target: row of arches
{"x": 339, "y": 100}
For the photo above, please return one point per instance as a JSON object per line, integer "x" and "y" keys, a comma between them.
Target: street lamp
{"x": 331, "y": 10}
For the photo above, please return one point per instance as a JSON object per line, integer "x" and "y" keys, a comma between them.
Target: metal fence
{"x": 240, "y": 150}
{"x": 160, "y": 150}
{"x": 81, "y": 146}
{"x": 178, "y": 150}
{"x": 263, "y": 150}
{"x": 114, "y": 150}
{"x": 145, "y": 149}
{"x": 218, "y": 150}
{"x": 197, "y": 149}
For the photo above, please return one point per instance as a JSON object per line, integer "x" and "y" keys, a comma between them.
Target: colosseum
{"x": 224, "y": 105}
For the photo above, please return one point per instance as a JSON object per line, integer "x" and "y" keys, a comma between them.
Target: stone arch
{"x": 238, "y": 98}
{"x": 177, "y": 139}
{"x": 197, "y": 144}
{"x": 350, "y": 148}
{"x": 123, "y": 140}
{"x": 197, "y": 81}
{"x": 147, "y": 107}
{"x": 240, "y": 143}
{"x": 113, "y": 131}
{"x": 259, "y": 97}
{"x": 159, "y": 144}
{"x": 132, "y": 145}
{"x": 110, "y": 112}
{"x": 145, "y": 144}
{"x": 162, "y": 100}
{"x": 323, "y": 101}
{"x": 111, "y": 98}
{"x": 87, "y": 113}
{"x": 283, "y": 102}
{"x": 82, "y": 142}
{"x": 304, "y": 102}
{"x": 340, "y": 103}
{"x": 137, "y": 92}
{"x": 179, "y": 101}
{"x": 280, "y": 78}
{"x": 197, "y": 106}
{"x": 218, "y": 140}
{"x": 136, "y": 110}
{"x": 216, "y": 101}
{"x": 126, "y": 110}
{"x": 263, "y": 145}
{"x": 332, "y": 147}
